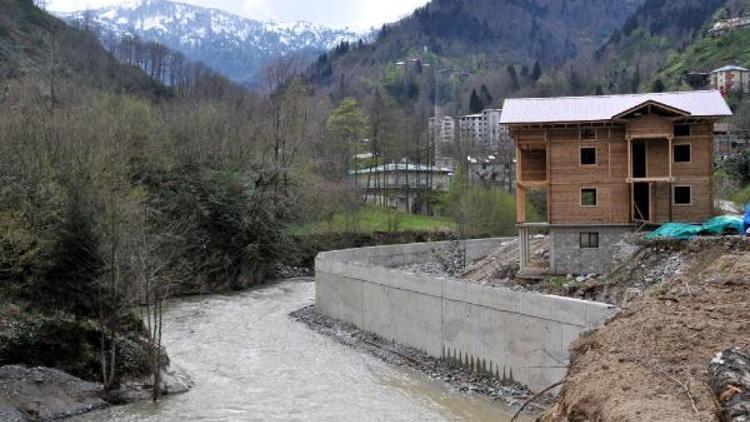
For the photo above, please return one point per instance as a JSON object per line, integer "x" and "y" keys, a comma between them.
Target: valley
{"x": 176, "y": 181}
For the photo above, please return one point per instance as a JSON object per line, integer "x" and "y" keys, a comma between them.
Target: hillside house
{"x": 731, "y": 79}
{"x": 609, "y": 164}
{"x": 726, "y": 25}
{"x": 728, "y": 140}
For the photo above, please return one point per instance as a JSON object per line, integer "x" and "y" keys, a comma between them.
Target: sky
{"x": 355, "y": 14}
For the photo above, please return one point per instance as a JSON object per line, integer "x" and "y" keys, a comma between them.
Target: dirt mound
{"x": 650, "y": 363}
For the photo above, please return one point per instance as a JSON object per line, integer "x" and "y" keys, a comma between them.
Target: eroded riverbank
{"x": 250, "y": 361}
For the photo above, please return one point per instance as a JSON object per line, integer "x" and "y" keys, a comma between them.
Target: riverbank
{"x": 32, "y": 394}
{"x": 460, "y": 379}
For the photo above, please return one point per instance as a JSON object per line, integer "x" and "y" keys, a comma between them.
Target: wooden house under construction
{"x": 609, "y": 164}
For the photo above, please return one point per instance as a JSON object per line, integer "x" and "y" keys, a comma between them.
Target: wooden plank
{"x": 650, "y": 180}
{"x": 521, "y": 204}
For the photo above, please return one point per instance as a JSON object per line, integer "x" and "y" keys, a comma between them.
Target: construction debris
{"x": 730, "y": 381}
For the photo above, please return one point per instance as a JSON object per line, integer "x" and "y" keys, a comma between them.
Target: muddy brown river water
{"x": 251, "y": 362}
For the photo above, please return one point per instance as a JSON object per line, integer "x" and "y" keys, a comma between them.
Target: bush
{"x": 482, "y": 211}
{"x": 742, "y": 197}
{"x": 221, "y": 229}
{"x": 65, "y": 342}
{"x": 20, "y": 252}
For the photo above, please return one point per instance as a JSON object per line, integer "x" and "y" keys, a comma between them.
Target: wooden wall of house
{"x": 608, "y": 175}
{"x": 649, "y": 127}
{"x": 568, "y": 176}
{"x": 657, "y": 157}
{"x": 534, "y": 165}
{"x": 698, "y": 174}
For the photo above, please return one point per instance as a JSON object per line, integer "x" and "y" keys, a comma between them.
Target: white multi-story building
{"x": 495, "y": 135}
{"x": 729, "y": 79}
{"x": 479, "y": 133}
{"x": 484, "y": 130}
{"x": 471, "y": 128}
{"x": 446, "y": 130}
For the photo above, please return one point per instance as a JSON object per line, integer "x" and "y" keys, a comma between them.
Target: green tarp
{"x": 723, "y": 224}
{"x": 716, "y": 225}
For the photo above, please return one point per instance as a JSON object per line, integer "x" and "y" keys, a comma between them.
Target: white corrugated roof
{"x": 606, "y": 107}
{"x": 401, "y": 167}
{"x": 730, "y": 68}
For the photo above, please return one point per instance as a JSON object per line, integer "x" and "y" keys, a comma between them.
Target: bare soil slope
{"x": 650, "y": 363}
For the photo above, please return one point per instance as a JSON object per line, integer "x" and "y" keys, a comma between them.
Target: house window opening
{"x": 588, "y": 156}
{"x": 589, "y": 240}
{"x": 682, "y": 153}
{"x": 682, "y": 195}
{"x": 681, "y": 130}
{"x": 588, "y": 197}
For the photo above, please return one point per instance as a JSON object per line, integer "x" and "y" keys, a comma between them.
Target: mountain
{"x": 38, "y": 49}
{"x": 503, "y": 47}
{"x": 237, "y": 47}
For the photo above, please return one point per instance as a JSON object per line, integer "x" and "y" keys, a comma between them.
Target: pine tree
{"x": 658, "y": 86}
{"x": 475, "y": 103}
{"x": 636, "y": 81}
{"x": 537, "y": 72}
{"x": 485, "y": 97}
{"x": 514, "y": 77}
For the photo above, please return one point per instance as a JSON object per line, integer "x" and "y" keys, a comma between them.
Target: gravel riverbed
{"x": 459, "y": 379}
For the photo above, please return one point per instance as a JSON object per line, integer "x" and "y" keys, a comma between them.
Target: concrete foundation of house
{"x": 584, "y": 249}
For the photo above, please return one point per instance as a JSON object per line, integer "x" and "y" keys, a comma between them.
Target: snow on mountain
{"x": 235, "y": 46}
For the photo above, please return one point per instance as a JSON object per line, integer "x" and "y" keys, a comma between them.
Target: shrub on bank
{"x": 742, "y": 197}
{"x": 219, "y": 230}
{"x": 67, "y": 343}
{"x": 482, "y": 211}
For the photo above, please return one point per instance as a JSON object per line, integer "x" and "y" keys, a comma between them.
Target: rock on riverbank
{"x": 31, "y": 394}
{"x": 44, "y": 393}
{"x": 460, "y": 379}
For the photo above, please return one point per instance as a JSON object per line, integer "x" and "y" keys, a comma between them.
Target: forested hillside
{"x": 117, "y": 191}
{"x": 35, "y": 46}
{"x": 658, "y": 29}
{"x": 506, "y": 45}
{"x": 708, "y": 51}
{"x": 523, "y": 48}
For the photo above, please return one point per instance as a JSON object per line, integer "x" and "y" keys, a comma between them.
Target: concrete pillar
{"x": 523, "y": 248}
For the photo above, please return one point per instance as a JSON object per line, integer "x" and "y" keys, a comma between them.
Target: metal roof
{"x": 606, "y": 107}
{"x": 730, "y": 68}
{"x": 401, "y": 167}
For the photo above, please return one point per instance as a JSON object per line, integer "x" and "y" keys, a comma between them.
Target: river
{"x": 251, "y": 362}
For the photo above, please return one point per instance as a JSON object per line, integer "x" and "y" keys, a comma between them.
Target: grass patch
{"x": 558, "y": 281}
{"x": 376, "y": 219}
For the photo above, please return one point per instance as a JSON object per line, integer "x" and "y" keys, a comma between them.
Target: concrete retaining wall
{"x": 516, "y": 335}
